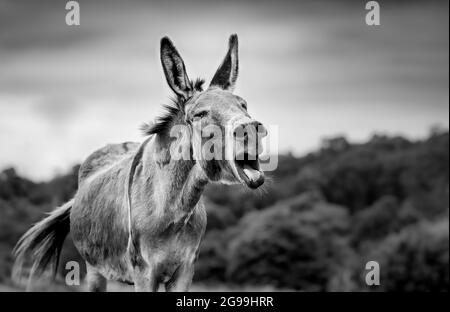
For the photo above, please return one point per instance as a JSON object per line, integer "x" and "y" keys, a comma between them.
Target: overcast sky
{"x": 314, "y": 70}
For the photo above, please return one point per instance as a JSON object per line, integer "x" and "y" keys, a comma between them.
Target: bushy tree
{"x": 359, "y": 176}
{"x": 212, "y": 262}
{"x": 295, "y": 245}
{"x": 416, "y": 259}
{"x": 390, "y": 192}
{"x": 376, "y": 222}
{"x": 219, "y": 217}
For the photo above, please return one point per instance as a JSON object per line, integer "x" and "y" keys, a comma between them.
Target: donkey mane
{"x": 164, "y": 122}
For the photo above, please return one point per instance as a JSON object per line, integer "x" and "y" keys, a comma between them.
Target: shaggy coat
{"x": 137, "y": 216}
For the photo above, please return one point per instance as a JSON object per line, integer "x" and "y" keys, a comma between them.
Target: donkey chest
{"x": 175, "y": 240}
{"x": 174, "y": 253}
{"x": 174, "y": 244}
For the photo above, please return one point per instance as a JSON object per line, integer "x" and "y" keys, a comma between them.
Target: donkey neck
{"x": 177, "y": 184}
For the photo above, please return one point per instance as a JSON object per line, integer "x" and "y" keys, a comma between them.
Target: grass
{"x": 46, "y": 285}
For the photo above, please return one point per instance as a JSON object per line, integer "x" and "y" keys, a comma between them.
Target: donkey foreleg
{"x": 95, "y": 281}
{"x": 181, "y": 279}
{"x": 145, "y": 280}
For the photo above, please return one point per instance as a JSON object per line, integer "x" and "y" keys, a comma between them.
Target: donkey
{"x": 137, "y": 216}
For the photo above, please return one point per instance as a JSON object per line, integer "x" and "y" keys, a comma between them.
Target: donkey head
{"x": 225, "y": 140}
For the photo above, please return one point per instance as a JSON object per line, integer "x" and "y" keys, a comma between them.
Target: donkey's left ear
{"x": 226, "y": 75}
{"x": 174, "y": 69}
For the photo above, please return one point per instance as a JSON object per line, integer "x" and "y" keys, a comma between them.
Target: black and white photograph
{"x": 228, "y": 147}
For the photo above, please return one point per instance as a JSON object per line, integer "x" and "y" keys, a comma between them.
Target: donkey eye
{"x": 244, "y": 105}
{"x": 201, "y": 114}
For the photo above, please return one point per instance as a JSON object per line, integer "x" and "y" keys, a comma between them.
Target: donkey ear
{"x": 174, "y": 69}
{"x": 226, "y": 75}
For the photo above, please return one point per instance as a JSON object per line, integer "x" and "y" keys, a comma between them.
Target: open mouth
{"x": 249, "y": 170}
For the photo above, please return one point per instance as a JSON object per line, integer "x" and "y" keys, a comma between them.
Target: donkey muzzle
{"x": 248, "y": 146}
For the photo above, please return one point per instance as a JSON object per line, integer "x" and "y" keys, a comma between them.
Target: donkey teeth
{"x": 251, "y": 173}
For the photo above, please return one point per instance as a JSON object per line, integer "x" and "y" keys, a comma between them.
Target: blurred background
{"x": 362, "y": 111}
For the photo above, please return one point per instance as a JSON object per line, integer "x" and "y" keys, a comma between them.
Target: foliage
{"x": 297, "y": 245}
{"x": 313, "y": 228}
{"x": 416, "y": 259}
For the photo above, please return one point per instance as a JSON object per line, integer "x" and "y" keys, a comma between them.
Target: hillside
{"x": 322, "y": 217}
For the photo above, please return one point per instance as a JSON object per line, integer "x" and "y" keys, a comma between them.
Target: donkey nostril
{"x": 261, "y": 129}
{"x": 240, "y": 134}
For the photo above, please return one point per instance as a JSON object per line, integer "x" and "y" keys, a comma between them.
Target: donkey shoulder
{"x": 104, "y": 157}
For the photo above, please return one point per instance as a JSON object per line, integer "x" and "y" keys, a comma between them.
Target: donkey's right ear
{"x": 226, "y": 75}
{"x": 174, "y": 69}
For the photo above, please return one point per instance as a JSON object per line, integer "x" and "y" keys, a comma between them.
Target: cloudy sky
{"x": 314, "y": 69}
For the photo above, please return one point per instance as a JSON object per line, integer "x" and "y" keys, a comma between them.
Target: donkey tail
{"x": 43, "y": 242}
